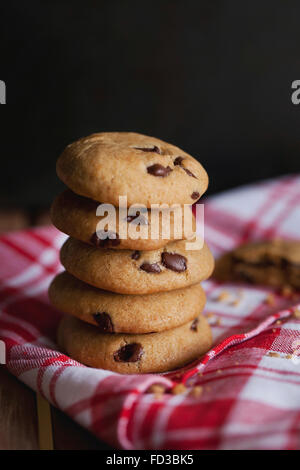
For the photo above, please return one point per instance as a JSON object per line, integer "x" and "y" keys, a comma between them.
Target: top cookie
{"x": 147, "y": 170}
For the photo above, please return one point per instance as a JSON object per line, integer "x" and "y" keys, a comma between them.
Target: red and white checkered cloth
{"x": 250, "y": 399}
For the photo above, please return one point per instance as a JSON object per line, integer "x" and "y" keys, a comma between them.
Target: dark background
{"x": 213, "y": 77}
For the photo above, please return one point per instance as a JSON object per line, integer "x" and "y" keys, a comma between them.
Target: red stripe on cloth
{"x": 282, "y": 215}
{"x": 277, "y": 190}
{"x": 42, "y": 369}
{"x": 54, "y": 379}
{"x": 26, "y": 254}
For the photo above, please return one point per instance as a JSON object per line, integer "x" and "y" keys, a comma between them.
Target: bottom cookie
{"x": 133, "y": 354}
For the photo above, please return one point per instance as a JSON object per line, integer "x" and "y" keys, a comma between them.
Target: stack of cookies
{"x": 134, "y": 303}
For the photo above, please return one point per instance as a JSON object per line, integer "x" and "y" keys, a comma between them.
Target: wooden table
{"x": 19, "y": 424}
{"x": 18, "y": 411}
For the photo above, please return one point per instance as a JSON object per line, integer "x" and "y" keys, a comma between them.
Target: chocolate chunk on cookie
{"x": 153, "y": 268}
{"x": 105, "y": 238}
{"x": 104, "y": 322}
{"x": 159, "y": 170}
{"x": 131, "y": 352}
{"x": 174, "y": 261}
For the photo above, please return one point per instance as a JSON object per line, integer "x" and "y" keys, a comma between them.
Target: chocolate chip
{"x": 194, "y": 325}
{"x": 149, "y": 149}
{"x": 129, "y": 353}
{"x": 135, "y": 255}
{"x": 195, "y": 195}
{"x": 130, "y": 218}
{"x": 159, "y": 170}
{"x": 174, "y": 262}
{"x": 111, "y": 239}
{"x": 178, "y": 160}
{"x": 244, "y": 276}
{"x": 150, "y": 268}
{"x": 188, "y": 172}
{"x": 141, "y": 221}
{"x": 104, "y": 322}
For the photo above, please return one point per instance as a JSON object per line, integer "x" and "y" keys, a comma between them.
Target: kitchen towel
{"x": 249, "y": 395}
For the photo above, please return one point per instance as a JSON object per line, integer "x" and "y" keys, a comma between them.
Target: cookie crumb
{"x": 270, "y": 300}
{"x": 215, "y": 321}
{"x": 235, "y": 302}
{"x": 210, "y": 315}
{"x": 273, "y": 354}
{"x": 157, "y": 389}
{"x": 196, "y": 391}
{"x": 177, "y": 376}
{"x": 287, "y": 291}
{"x": 219, "y": 371}
{"x": 224, "y": 295}
{"x": 288, "y": 356}
{"x": 297, "y": 313}
{"x": 178, "y": 389}
{"x": 278, "y": 322}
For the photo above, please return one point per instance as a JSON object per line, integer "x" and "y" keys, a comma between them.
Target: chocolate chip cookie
{"x": 76, "y": 216}
{"x": 274, "y": 263}
{"x": 116, "y": 313}
{"x": 130, "y": 354}
{"x": 137, "y": 272}
{"x": 146, "y": 170}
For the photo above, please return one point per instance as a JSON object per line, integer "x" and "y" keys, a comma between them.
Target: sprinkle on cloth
{"x": 243, "y": 394}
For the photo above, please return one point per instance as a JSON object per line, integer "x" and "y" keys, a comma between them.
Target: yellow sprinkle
{"x": 196, "y": 391}
{"x": 297, "y": 313}
{"x": 270, "y": 299}
{"x": 273, "y": 354}
{"x": 157, "y": 389}
{"x": 287, "y": 291}
{"x": 224, "y": 295}
{"x": 210, "y": 315}
{"x": 178, "y": 389}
